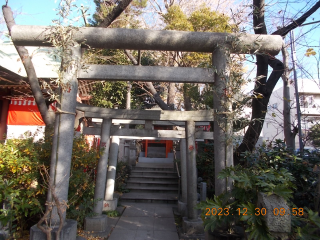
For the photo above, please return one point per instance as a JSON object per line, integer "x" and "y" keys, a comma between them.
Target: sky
{"x": 40, "y": 12}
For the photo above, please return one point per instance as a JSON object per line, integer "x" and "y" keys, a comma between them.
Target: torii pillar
{"x": 192, "y": 221}
{"x": 110, "y": 202}
{"x": 98, "y": 223}
{"x": 182, "y": 203}
{"x": 61, "y": 173}
{"x": 223, "y": 147}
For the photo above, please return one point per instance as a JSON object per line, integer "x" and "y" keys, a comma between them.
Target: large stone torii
{"x": 215, "y": 43}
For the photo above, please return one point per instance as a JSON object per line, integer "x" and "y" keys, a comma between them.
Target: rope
{"x": 59, "y": 111}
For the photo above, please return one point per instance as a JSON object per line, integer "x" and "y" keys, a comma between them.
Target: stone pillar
{"x": 148, "y": 125}
{"x": 223, "y": 147}
{"x": 126, "y": 151}
{"x": 99, "y": 223}
{"x": 121, "y": 150}
{"x": 182, "y": 203}
{"x": 61, "y": 175}
{"x": 192, "y": 171}
{"x": 203, "y": 191}
{"x": 3, "y": 118}
{"x": 132, "y": 154}
{"x": 109, "y": 202}
{"x": 192, "y": 222}
{"x": 68, "y": 100}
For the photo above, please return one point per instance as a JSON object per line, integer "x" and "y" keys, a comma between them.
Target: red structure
{"x": 168, "y": 143}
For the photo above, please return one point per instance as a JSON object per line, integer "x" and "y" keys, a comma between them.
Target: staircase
{"x": 152, "y": 182}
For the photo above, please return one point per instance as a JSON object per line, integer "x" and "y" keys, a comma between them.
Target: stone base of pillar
{"x": 68, "y": 231}
{"x": 97, "y": 224}
{"x": 110, "y": 205}
{"x": 182, "y": 208}
{"x": 192, "y": 226}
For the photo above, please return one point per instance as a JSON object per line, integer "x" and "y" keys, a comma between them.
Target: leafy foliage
{"x": 308, "y": 227}
{"x": 122, "y": 174}
{"x": 20, "y": 188}
{"x": 113, "y": 213}
{"x": 205, "y": 166}
{"x": 272, "y": 169}
{"x": 314, "y": 135}
{"x": 23, "y": 190}
{"x": 107, "y": 94}
{"x": 278, "y": 156}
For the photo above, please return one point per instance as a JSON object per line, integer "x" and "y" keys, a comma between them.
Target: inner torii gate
{"x": 219, "y": 44}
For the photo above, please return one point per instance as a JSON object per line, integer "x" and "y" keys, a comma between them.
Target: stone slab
{"x": 164, "y": 224}
{"x": 161, "y": 212}
{"x": 141, "y": 221}
{"x": 68, "y": 231}
{"x": 139, "y": 211}
{"x": 155, "y": 160}
{"x": 110, "y": 205}
{"x": 275, "y": 223}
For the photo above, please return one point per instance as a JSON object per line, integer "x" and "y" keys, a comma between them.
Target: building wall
{"x": 309, "y": 95}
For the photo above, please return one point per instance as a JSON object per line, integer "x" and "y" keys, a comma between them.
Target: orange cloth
{"x": 24, "y": 112}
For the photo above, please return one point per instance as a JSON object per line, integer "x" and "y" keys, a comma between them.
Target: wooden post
{"x": 146, "y": 150}
{"x": 3, "y": 118}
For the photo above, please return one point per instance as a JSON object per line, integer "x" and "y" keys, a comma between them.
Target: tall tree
{"x": 263, "y": 85}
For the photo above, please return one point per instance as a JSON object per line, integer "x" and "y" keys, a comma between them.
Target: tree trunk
{"x": 186, "y": 99}
{"x": 157, "y": 97}
{"x": 128, "y": 101}
{"x": 116, "y": 11}
{"x": 264, "y": 88}
{"x": 259, "y": 107}
{"x": 153, "y": 91}
{"x": 295, "y": 23}
{"x": 288, "y": 135}
{"x": 171, "y": 95}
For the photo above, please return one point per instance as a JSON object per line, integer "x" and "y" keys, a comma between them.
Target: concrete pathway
{"x": 141, "y": 221}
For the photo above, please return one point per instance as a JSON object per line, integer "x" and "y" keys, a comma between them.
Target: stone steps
{"x": 154, "y": 178}
{"x": 156, "y": 152}
{"x": 152, "y": 182}
{"x": 153, "y": 189}
{"x": 150, "y": 197}
{"x": 154, "y": 173}
{"x": 143, "y": 183}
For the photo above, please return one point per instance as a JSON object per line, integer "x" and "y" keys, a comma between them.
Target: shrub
{"x": 205, "y": 166}
{"x": 277, "y": 156}
{"x": 270, "y": 170}
{"x": 123, "y": 172}
{"x": 20, "y": 184}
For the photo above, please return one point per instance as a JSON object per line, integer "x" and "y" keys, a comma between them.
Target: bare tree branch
{"x": 264, "y": 87}
{"x": 296, "y": 23}
{"x": 150, "y": 86}
{"x": 115, "y": 13}
{"x": 47, "y": 116}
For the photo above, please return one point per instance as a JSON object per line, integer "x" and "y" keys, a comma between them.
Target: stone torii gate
{"x": 215, "y": 43}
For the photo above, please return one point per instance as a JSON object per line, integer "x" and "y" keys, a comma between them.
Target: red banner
{"x": 24, "y": 112}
